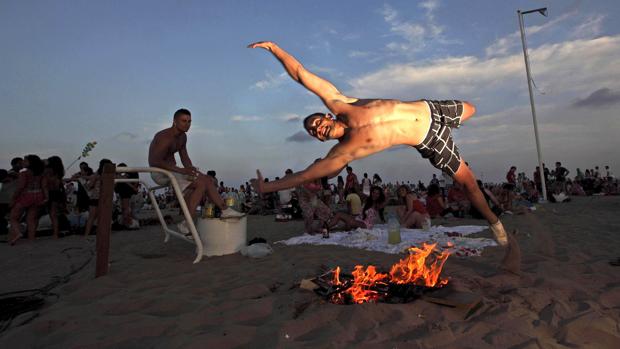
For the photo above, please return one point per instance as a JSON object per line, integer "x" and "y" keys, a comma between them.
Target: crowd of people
{"x": 34, "y": 188}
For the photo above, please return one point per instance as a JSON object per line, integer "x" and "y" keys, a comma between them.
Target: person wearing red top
{"x": 352, "y": 182}
{"x": 30, "y": 194}
{"x": 511, "y": 176}
{"x": 457, "y": 200}
{"x": 435, "y": 203}
{"x": 412, "y": 213}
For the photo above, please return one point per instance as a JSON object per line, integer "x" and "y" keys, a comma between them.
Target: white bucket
{"x": 222, "y": 236}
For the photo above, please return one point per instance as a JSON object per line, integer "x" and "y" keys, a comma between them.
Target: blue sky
{"x": 115, "y": 71}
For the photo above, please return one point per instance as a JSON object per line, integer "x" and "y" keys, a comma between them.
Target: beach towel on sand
{"x": 453, "y": 239}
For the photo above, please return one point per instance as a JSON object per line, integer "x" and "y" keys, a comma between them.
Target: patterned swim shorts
{"x": 438, "y": 146}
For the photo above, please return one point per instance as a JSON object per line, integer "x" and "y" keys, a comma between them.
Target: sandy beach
{"x": 567, "y": 295}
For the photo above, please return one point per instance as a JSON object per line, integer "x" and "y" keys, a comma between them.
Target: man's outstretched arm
{"x": 329, "y": 166}
{"x": 329, "y": 94}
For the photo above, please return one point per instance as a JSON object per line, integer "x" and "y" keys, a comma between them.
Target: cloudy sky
{"x": 115, "y": 71}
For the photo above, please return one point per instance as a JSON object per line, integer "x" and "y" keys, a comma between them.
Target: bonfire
{"x": 408, "y": 279}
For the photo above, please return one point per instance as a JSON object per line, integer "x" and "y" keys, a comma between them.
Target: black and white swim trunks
{"x": 438, "y": 146}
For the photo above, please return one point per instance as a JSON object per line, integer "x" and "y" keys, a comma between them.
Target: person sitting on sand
{"x": 412, "y": 213}
{"x": 30, "y": 194}
{"x": 312, "y": 208}
{"x": 374, "y": 203}
{"x": 354, "y": 202}
{"x": 457, "y": 200}
{"x": 435, "y": 203}
{"x": 195, "y": 184}
{"x": 367, "y": 126}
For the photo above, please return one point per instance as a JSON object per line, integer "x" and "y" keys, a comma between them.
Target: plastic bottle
{"x": 393, "y": 230}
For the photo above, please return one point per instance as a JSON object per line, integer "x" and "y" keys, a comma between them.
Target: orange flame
{"x": 363, "y": 280}
{"x": 412, "y": 269}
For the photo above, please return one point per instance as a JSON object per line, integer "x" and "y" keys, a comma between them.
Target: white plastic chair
{"x": 179, "y": 194}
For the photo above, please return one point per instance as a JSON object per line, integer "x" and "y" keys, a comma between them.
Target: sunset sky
{"x": 115, "y": 72}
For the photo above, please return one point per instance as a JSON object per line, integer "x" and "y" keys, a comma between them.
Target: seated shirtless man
{"x": 194, "y": 184}
{"x": 366, "y": 126}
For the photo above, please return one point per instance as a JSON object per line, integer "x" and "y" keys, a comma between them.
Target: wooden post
{"x": 104, "y": 221}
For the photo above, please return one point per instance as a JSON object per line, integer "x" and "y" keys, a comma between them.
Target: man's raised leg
{"x": 465, "y": 177}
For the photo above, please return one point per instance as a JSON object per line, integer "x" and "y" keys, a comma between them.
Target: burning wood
{"x": 407, "y": 280}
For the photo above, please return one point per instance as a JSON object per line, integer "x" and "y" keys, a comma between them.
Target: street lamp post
{"x": 542, "y": 11}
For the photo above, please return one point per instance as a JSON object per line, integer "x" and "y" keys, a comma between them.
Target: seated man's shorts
{"x": 162, "y": 179}
{"x": 438, "y": 146}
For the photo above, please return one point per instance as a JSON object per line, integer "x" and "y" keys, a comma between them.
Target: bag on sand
{"x": 257, "y": 250}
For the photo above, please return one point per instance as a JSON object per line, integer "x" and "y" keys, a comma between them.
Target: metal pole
{"x": 529, "y": 86}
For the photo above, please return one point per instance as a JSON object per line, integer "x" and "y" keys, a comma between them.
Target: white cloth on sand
{"x": 453, "y": 239}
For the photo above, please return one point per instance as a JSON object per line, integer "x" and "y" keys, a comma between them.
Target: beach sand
{"x": 567, "y": 295}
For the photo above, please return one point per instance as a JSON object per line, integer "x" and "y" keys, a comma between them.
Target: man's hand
{"x": 267, "y": 45}
{"x": 258, "y": 182}
{"x": 188, "y": 171}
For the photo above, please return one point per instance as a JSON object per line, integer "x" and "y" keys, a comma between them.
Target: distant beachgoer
{"x": 30, "y": 194}
{"x": 195, "y": 184}
{"x": 315, "y": 213}
{"x": 340, "y": 188}
{"x": 376, "y": 180}
{"x": 93, "y": 187}
{"x": 354, "y": 202}
{"x": 368, "y": 126}
{"x": 55, "y": 173}
{"x": 457, "y": 200}
{"x": 17, "y": 164}
{"x": 373, "y": 206}
{"x": 435, "y": 204}
{"x": 511, "y": 177}
{"x": 411, "y": 213}
{"x": 351, "y": 182}
{"x": 366, "y": 184}
{"x": 608, "y": 173}
{"x": 126, "y": 191}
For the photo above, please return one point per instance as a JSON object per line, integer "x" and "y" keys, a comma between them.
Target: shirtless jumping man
{"x": 194, "y": 184}
{"x": 366, "y": 126}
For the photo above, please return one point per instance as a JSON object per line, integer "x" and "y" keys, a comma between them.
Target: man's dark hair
{"x": 14, "y": 161}
{"x": 35, "y": 164}
{"x": 310, "y": 118}
{"x": 55, "y": 164}
{"x": 102, "y": 164}
{"x": 211, "y": 173}
{"x": 349, "y": 168}
{"x": 182, "y": 111}
{"x": 288, "y": 171}
{"x": 3, "y": 174}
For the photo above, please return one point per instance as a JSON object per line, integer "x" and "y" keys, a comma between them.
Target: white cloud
{"x": 572, "y": 66}
{"x": 511, "y": 42}
{"x": 359, "y": 54}
{"x": 591, "y": 27}
{"x": 290, "y": 117}
{"x": 244, "y": 118}
{"x": 414, "y": 35}
{"x": 271, "y": 81}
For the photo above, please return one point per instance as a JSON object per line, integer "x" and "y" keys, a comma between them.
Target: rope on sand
{"x": 13, "y": 304}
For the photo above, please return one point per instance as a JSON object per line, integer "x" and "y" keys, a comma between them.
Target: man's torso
{"x": 173, "y": 145}
{"x": 378, "y": 124}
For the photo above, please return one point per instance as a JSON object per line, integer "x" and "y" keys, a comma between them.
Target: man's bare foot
{"x": 512, "y": 259}
{"x": 499, "y": 233}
